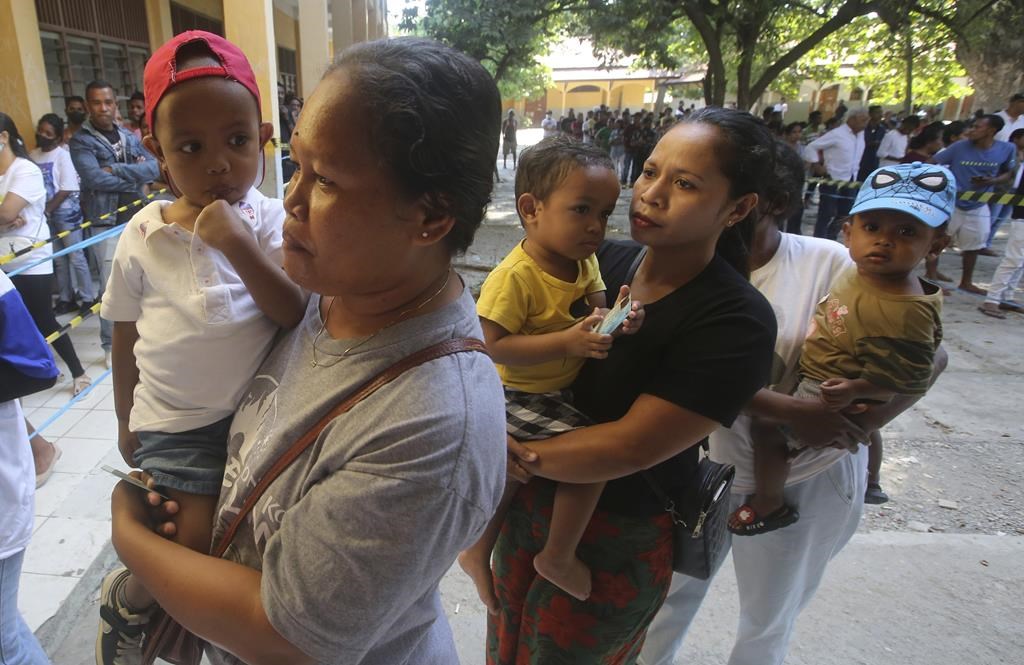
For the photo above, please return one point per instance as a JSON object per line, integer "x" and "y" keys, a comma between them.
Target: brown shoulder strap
{"x": 434, "y": 352}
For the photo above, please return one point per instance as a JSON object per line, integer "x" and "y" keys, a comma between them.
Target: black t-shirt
{"x": 706, "y": 347}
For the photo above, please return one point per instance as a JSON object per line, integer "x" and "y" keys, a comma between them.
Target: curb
{"x": 55, "y": 630}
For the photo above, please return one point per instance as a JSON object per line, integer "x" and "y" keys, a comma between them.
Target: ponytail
{"x": 734, "y": 244}
{"x": 14, "y": 142}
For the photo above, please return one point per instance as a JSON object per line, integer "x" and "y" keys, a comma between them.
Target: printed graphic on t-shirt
{"x": 251, "y": 430}
{"x": 48, "y": 182}
{"x": 837, "y": 316}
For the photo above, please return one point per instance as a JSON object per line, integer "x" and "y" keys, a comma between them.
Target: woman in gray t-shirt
{"x": 340, "y": 560}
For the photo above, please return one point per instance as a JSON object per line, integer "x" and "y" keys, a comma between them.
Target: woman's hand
{"x": 130, "y": 505}
{"x": 634, "y": 320}
{"x": 16, "y": 223}
{"x": 517, "y": 453}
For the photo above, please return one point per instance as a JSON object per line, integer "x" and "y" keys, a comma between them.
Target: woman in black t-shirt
{"x": 705, "y": 348}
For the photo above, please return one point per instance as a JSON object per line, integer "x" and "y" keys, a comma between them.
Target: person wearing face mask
{"x": 74, "y": 109}
{"x": 64, "y": 213}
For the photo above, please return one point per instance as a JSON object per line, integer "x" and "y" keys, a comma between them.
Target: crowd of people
{"x": 305, "y": 381}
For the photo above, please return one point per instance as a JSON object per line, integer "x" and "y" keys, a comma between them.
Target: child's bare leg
{"x": 557, "y": 562}
{"x": 194, "y": 524}
{"x": 771, "y": 468}
{"x": 475, "y": 560}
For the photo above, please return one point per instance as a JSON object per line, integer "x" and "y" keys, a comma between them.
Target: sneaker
{"x": 875, "y": 495}
{"x": 119, "y": 638}
{"x": 64, "y": 307}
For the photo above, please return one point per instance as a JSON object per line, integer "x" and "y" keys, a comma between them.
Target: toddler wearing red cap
{"x": 197, "y": 294}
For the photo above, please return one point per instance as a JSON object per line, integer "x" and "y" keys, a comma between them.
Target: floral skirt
{"x": 630, "y": 559}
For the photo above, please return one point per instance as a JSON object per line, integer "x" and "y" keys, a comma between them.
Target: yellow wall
{"x": 285, "y": 30}
{"x": 23, "y": 92}
{"x": 631, "y": 93}
{"x": 211, "y": 8}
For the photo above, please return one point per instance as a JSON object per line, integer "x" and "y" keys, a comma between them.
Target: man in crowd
{"x": 1013, "y": 117}
{"x": 136, "y": 114}
{"x": 549, "y": 125}
{"x": 894, "y": 144}
{"x": 114, "y": 168}
{"x": 980, "y": 163}
{"x": 836, "y": 155}
{"x": 873, "y": 135}
{"x": 74, "y": 109}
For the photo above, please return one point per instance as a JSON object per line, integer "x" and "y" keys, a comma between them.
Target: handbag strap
{"x": 434, "y": 352}
{"x": 670, "y": 504}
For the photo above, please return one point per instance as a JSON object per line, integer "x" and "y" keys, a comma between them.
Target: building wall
{"x": 211, "y": 8}
{"x": 286, "y": 30}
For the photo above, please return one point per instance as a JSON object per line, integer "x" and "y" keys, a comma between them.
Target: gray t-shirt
{"x": 355, "y": 535}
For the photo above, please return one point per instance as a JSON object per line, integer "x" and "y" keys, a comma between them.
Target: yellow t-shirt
{"x": 860, "y": 332}
{"x": 524, "y": 300}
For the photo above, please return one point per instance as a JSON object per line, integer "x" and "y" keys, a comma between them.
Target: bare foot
{"x": 761, "y": 506}
{"x": 477, "y": 564}
{"x": 43, "y": 454}
{"x": 570, "y": 575}
{"x": 971, "y": 288}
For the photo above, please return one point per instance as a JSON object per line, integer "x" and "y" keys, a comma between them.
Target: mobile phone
{"x": 133, "y": 481}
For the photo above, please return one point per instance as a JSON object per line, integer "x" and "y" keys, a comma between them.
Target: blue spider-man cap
{"x": 926, "y": 191}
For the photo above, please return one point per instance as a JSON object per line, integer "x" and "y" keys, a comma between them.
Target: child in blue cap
{"x": 875, "y": 334}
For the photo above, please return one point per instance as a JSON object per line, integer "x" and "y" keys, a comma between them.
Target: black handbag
{"x": 700, "y": 515}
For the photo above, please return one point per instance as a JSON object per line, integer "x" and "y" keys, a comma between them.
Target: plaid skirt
{"x": 539, "y": 624}
{"x": 535, "y": 416}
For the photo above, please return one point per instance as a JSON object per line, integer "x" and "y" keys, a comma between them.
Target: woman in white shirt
{"x": 22, "y": 222}
{"x": 64, "y": 213}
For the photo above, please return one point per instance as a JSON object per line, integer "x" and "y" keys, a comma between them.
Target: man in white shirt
{"x": 894, "y": 143}
{"x": 836, "y": 155}
{"x": 549, "y": 125}
{"x": 1013, "y": 117}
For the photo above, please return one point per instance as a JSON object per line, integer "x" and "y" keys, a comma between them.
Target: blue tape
{"x": 67, "y": 250}
{"x": 74, "y": 400}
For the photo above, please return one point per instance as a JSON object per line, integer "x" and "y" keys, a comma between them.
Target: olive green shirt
{"x": 861, "y": 332}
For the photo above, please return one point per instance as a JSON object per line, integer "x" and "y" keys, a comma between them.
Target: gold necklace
{"x": 344, "y": 354}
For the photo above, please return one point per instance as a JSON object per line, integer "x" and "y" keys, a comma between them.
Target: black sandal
{"x": 752, "y": 525}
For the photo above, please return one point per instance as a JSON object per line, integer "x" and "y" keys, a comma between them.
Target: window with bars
{"x": 183, "y": 19}
{"x": 85, "y": 40}
{"x": 287, "y": 71}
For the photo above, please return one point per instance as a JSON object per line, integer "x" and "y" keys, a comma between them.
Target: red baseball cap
{"x": 160, "y": 74}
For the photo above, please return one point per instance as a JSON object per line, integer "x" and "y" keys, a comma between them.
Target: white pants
{"x": 969, "y": 228}
{"x": 777, "y": 573}
{"x": 1007, "y": 276}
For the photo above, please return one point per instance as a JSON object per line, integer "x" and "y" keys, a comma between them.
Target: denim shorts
{"x": 191, "y": 462}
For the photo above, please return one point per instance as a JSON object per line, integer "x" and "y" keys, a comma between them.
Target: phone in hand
{"x": 133, "y": 481}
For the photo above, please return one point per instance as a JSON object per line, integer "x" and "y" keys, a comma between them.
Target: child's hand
{"x": 837, "y": 393}
{"x": 127, "y": 442}
{"x": 582, "y": 342}
{"x": 220, "y": 227}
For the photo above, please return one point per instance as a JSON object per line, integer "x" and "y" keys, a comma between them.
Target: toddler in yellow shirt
{"x": 565, "y": 192}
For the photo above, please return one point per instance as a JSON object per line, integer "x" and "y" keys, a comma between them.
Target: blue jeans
{"x": 18, "y": 646}
{"x": 834, "y": 204}
{"x": 72, "y": 270}
{"x": 104, "y": 252}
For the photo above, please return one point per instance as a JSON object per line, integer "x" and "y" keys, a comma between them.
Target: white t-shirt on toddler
{"x": 201, "y": 334}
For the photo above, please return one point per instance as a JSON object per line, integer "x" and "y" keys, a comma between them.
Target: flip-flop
{"x": 752, "y": 525}
{"x": 875, "y": 495}
{"x": 41, "y": 478}
{"x": 993, "y": 312}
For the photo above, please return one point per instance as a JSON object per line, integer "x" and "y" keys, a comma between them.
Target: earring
{"x": 425, "y": 234}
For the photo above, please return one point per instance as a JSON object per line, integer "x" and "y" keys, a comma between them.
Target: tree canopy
{"x": 747, "y": 47}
